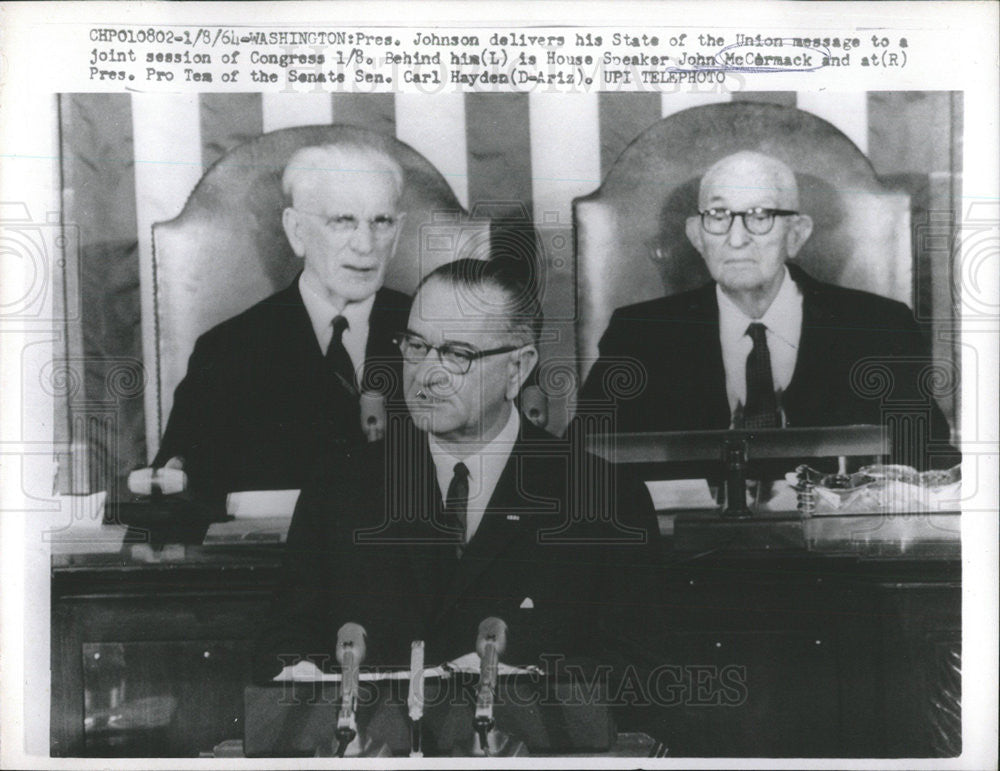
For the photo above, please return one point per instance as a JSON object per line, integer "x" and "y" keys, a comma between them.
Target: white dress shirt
{"x": 784, "y": 330}
{"x": 322, "y": 313}
{"x": 485, "y": 468}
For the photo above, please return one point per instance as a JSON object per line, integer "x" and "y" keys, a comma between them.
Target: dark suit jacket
{"x": 861, "y": 360}
{"x": 365, "y": 545}
{"x": 258, "y": 407}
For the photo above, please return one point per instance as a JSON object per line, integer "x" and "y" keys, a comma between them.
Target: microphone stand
{"x": 486, "y": 740}
{"x": 415, "y": 700}
{"x": 348, "y": 740}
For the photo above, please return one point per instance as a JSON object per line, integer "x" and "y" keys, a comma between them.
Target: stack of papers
{"x": 259, "y": 516}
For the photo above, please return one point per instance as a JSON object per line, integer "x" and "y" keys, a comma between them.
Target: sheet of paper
{"x": 78, "y": 526}
{"x": 78, "y": 539}
{"x": 261, "y": 503}
{"x": 82, "y": 511}
{"x": 681, "y": 494}
{"x": 467, "y": 663}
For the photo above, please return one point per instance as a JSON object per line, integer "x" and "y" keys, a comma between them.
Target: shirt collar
{"x": 488, "y": 463}
{"x": 783, "y": 318}
{"x": 322, "y": 312}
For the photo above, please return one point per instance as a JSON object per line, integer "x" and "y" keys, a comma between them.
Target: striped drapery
{"x": 129, "y": 160}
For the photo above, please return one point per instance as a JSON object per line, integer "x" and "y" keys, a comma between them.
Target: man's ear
{"x": 799, "y": 232}
{"x": 519, "y": 367}
{"x": 692, "y": 227}
{"x": 291, "y": 222}
{"x": 400, "y": 221}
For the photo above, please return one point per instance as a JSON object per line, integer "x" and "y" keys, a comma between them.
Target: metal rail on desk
{"x": 680, "y": 446}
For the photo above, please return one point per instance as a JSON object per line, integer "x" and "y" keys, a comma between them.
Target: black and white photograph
{"x": 471, "y": 386}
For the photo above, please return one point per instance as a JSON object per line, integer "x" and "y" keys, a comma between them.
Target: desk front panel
{"x": 798, "y": 655}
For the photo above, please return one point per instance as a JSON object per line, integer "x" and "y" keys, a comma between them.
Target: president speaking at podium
{"x": 465, "y": 511}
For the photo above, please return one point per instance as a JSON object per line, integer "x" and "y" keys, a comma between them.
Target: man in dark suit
{"x": 764, "y": 344}
{"x": 270, "y": 390}
{"x": 465, "y": 511}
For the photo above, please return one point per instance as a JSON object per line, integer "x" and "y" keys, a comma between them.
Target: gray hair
{"x": 346, "y": 158}
{"x": 513, "y": 278}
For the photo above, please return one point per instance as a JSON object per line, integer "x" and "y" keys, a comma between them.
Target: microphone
{"x": 535, "y": 406}
{"x": 491, "y": 642}
{"x": 350, "y": 654}
{"x": 373, "y": 415}
{"x": 415, "y": 701}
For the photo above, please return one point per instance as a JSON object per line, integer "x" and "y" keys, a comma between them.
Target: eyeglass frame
{"x": 472, "y": 354}
{"x": 394, "y": 221}
{"x": 775, "y": 213}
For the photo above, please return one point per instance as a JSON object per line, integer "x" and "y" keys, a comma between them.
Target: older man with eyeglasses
{"x": 272, "y": 389}
{"x": 764, "y": 345}
{"x": 466, "y": 511}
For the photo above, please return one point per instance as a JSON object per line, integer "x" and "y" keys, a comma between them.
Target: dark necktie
{"x": 457, "y": 503}
{"x": 761, "y": 409}
{"x": 337, "y": 358}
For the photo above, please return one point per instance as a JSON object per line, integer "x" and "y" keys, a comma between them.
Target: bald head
{"x": 757, "y": 171}
{"x": 748, "y": 262}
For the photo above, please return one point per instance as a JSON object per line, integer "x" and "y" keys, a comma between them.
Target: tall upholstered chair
{"x": 630, "y": 232}
{"x": 227, "y": 250}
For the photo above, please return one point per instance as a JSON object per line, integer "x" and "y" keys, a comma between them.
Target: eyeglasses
{"x": 757, "y": 221}
{"x": 454, "y": 357}
{"x": 381, "y": 225}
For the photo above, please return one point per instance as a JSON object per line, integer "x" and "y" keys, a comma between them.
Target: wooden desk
{"x": 835, "y": 653}
{"x": 129, "y": 632}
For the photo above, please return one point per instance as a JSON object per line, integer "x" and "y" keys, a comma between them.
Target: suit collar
{"x": 705, "y": 356}
{"x": 702, "y": 304}
{"x": 322, "y": 312}
{"x": 803, "y": 279}
{"x": 484, "y": 468}
{"x": 387, "y": 318}
{"x": 814, "y": 344}
{"x": 511, "y": 515}
{"x": 808, "y": 391}
{"x": 300, "y": 336}
{"x": 808, "y": 382}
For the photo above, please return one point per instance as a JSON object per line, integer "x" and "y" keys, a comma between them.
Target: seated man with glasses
{"x": 764, "y": 345}
{"x": 466, "y": 511}
{"x": 272, "y": 389}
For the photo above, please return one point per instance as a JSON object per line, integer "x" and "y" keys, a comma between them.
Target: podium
{"x": 551, "y": 716}
{"x": 731, "y": 456}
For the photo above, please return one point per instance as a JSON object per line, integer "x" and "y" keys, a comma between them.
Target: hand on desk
{"x": 168, "y": 480}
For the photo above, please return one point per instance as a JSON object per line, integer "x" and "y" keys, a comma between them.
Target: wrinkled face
{"x": 740, "y": 261}
{"x": 349, "y": 264}
{"x": 476, "y": 405}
